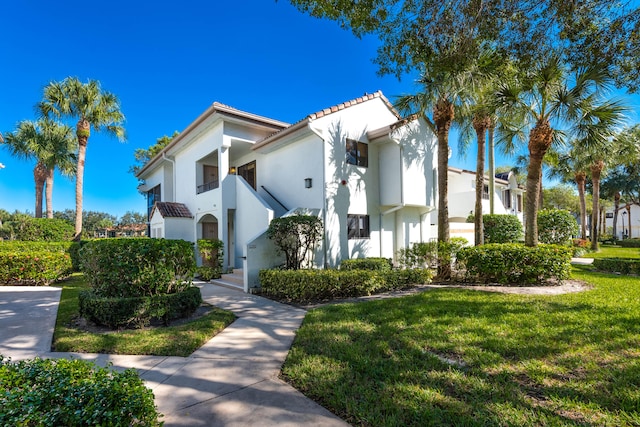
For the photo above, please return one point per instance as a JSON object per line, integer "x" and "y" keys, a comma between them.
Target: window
{"x": 358, "y": 226}
{"x": 519, "y": 197}
{"x": 248, "y": 172}
{"x": 357, "y": 153}
{"x": 485, "y": 192}
{"x": 153, "y": 196}
{"x": 507, "y": 199}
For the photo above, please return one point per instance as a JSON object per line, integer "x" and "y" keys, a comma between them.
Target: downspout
{"x": 173, "y": 175}
{"x": 325, "y": 263}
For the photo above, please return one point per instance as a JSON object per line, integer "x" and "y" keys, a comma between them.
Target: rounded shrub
{"x": 136, "y": 280}
{"x": 44, "y": 392}
{"x": 501, "y": 228}
{"x": 138, "y": 267}
{"x": 137, "y": 312}
{"x": 556, "y": 226}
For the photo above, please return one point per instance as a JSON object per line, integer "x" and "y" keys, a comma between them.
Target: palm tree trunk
{"x": 49, "y": 193}
{"x": 82, "y": 131}
{"x": 616, "y": 207}
{"x": 492, "y": 168}
{"x": 580, "y": 178}
{"x": 596, "y": 171}
{"x": 39, "y": 176}
{"x": 540, "y": 139}
{"x": 480, "y": 125}
{"x": 443, "y": 115}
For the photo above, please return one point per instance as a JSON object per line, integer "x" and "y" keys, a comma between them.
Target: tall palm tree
{"x": 52, "y": 145}
{"x": 93, "y": 108}
{"x": 545, "y": 96}
{"x": 442, "y": 91}
{"x": 572, "y": 167}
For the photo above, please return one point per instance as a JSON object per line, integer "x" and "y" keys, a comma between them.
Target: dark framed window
{"x": 358, "y": 226}
{"x": 485, "y": 192}
{"x": 519, "y": 197}
{"x": 507, "y": 199}
{"x": 357, "y": 153}
{"x": 153, "y": 196}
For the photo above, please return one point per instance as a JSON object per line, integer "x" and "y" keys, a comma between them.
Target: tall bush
{"x": 556, "y": 226}
{"x": 132, "y": 267}
{"x": 296, "y": 236}
{"x": 427, "y": 254}
{"x": 502, "y": 228}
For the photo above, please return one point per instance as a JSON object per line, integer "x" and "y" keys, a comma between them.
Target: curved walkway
{"x": 230, "y": 381}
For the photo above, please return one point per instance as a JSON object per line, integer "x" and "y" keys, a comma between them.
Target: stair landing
{"x": 234, "y": 280}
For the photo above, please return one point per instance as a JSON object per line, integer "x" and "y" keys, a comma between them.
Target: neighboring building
{"x": 628, "y": 224}
{"x": 365, "y": 171}
{"x": 509, "y": 197}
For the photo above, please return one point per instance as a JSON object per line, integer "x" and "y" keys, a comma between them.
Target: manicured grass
{"x": 462, "y": 357}
{"x": 179, "y": 340}
{"x": 611, "y": 251}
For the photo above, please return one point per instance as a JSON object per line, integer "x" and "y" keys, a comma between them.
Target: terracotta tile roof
{"x": 172, "y": 210}
{"x": 325, "y": 112}
{"x": 360, "y": 100}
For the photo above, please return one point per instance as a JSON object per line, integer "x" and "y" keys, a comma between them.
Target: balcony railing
{"x": 207, "y": 186}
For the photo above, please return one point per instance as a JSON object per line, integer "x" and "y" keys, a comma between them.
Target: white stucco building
{"x": 365, "y": 171}
{"x": 628, "y": 223}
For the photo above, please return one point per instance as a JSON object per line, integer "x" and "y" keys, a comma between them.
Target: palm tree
{"x": 441, "y": 93}
{"x": 51, "y": 145}
{"x": 545, "y": 97}
{"x": 93, "y": 108}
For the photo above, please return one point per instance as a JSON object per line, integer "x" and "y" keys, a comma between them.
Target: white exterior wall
{"x": 284, "y": 170}
{"x": 360, "y": 194}
{"x": 156, "y": 225}
{"x": 634, "y": 214}
{"x": 179, "y": 228}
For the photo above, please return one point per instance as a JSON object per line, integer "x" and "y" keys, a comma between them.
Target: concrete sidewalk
{"x": 231, "y": 381}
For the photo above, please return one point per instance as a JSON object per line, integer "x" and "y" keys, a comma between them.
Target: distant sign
{"x": 609, "y": 214}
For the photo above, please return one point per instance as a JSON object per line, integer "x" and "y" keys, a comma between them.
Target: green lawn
{"x": 611, "y": 251}
{"x": 462, "y": 357}
{"x": 179, "y": 340}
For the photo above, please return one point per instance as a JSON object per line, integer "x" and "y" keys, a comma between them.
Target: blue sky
{"x": 168, "y": 61}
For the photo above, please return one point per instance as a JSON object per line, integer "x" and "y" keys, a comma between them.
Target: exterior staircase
{"x": 234, "y": 280}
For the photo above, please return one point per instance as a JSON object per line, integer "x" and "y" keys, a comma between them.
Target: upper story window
{"x": 153, "y": 196}
{"x": 358, "y": 226}
{"x": 357, "y": 153}
{"x": 507, "y": 199}
{"x": 485, "y": 192}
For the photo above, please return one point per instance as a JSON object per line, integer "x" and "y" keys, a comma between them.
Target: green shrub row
{"x": 33, "y": 268}
{"x": 72, "y": 248}
{"x": 37, "y": 229}
{"x": 629, "y": 243}
{"x": 137, "y": 312}
{"x": 617, "y": 265}
{"x": 301, "y": 286}
{"x": 132, "y": 267}
{"x": 426, "y": 254}
{"x": 372, "y": 263}
{"x": 511, "y": 263}
{"x": 64, "y": 392}
{"x": 208, "y": 273}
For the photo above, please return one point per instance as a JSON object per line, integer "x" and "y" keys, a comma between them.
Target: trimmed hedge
{"x": 133, "y": 267}
{"x": 36, "y": 267}
{"x": 511, "y": 263}
{"x": 629, "y": 243}
{"x": 72, "y": 248}
{"x": 372, "y": 263}
{"x": 45, "y": 392}
{"x": 301, "y": 286}
{"x": 137, "y": 312}
{"x": 41, "y": 229}
{"x": 617, "y": 265}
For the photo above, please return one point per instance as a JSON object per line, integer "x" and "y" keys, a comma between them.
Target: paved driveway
{"x": 27, "y": 319}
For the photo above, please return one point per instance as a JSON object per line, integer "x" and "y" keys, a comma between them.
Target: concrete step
{"x": 233, "y": 280}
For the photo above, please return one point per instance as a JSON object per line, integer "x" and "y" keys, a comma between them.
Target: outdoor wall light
{"x": 232, "y": 170}
{"x": 307, "y": 183}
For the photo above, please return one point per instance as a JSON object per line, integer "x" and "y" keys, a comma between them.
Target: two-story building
{"x": 368, "y": 173}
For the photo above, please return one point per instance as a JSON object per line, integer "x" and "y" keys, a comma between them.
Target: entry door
{"x": 248, "y": 172}
{"x": 210, "y": 230}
